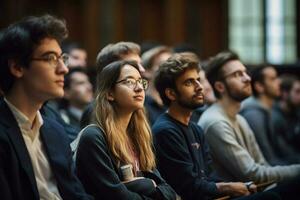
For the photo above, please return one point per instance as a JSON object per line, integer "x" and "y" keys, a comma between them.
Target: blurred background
{"x": 258, "y": 30}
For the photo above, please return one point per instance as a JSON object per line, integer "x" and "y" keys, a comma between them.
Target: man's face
{"x": 209, "y": 95}
{"x": 136, "y": 58}
{"x": 78, "y": 58}
{"x": 43, "y": 80}
{"x": 189, "y": 91}
{"x": 236, "y": 81}
{"x": 294, "y": 95}
{"x": 271, "y": 83}
{"x": 80, "y": 92}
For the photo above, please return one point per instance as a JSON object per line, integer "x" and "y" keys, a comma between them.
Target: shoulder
{"x": 164, "y": 125}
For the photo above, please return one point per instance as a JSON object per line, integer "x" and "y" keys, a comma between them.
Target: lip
{"x": 60, "y": 82}
{"x": 139, "y": 97}
{"x": 199, "y": 96}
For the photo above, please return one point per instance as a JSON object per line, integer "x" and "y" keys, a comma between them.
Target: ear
{"x": 259, "y": 87}
{"x": 170, "y": 93}
{"x": 15, "y": 69}
{"x": 219, "y": 86}
{"x": 110, "y": 96}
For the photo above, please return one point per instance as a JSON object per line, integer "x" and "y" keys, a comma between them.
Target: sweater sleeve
{"x": 176, "y": 165}
{"x": 236, "y": 159}
{"x": 96, "y": 171}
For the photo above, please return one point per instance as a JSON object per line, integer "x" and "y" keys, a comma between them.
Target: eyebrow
{"x": 126, "y": 77}
{"x": 50, "y": 52}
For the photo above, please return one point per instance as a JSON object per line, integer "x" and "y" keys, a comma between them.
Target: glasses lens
{"x": 65, "y": 59}
{"x": 144, "y": 83}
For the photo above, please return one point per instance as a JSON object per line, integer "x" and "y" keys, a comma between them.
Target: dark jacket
{"x": 100, "y": 175}
{"x": 184, "y": 159}
{"x": 17, "y": 180}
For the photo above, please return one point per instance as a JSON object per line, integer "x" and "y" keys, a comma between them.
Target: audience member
{"x": 257, "y": 111}
{"x": 35, "y": 156}
{"x": 77, "y": 54}
{"x": 151, "y": 60}
{"x": 78, "y": 94}
{"x": 286, "y": 112}
{"x": 182, "y": 153}
{"x": 235, "y": 152}
{"x": 115, "y": 157}
{"x": 111, "y": 53}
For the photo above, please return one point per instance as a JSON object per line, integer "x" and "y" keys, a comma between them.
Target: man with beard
{"x": 182, "y": 153}
{"x": 286, "y": 112}
{"x": 232, "y": 143}
{"x": 257, "y": 111}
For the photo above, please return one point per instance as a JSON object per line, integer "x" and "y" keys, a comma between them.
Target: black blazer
{"x": 17, "y": 179}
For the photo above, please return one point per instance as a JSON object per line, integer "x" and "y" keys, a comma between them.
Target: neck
{"x": 266, "y": 101}
{"x": 123, "y": 120}
{"x": 230, "y": 106}
{"x": 179, "y": 113}
{"x": 25, "y": 103}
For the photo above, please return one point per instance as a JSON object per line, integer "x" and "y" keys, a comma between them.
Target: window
{"x": 263, "y": 30}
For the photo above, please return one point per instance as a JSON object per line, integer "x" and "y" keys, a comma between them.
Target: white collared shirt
{"x": 44, "y": 177}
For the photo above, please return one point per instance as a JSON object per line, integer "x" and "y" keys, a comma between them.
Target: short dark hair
{"x": 287, "y": 82}
{"x": 114, "y": 52}
{"x": 257, "y": 75}
{"x": 68, "y": 76}
{"x": 68, "y": 46}
{"x": 214, "y": 67}
{"x": 171, "y": 69}
{"x": 19, "y": 40}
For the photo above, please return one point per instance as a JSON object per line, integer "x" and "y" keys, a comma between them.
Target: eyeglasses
{"x": 132, "y": 83}
{"x": 53, "y": 59}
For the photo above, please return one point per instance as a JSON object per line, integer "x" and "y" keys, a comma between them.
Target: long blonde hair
{"x": 138, "y": 132}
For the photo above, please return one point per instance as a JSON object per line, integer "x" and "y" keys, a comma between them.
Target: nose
{"x": 199, "y": 86}
{"x": 246, "y": 77}
{"x": 138, "y": 87}
{"x": 62, "y": 68}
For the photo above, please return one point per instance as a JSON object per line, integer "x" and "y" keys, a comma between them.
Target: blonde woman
{"x": 114, "y": 158}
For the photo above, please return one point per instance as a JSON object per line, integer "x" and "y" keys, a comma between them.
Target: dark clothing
{"x": 49, "y": 112}
{"x": 287, "y": 126}
{"x": 17, "y": 179}
{"x": 87, "y": 115}
{"x": 197, "y": 113}
{"x": 183, "y": 158}
{"x": 153, "y": 109}
{"x": 100, "y": 173}
{"x": 259, "y": 119}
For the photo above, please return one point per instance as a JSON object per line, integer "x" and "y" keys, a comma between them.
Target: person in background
{"x": 77, "y": 54}
{"x": 151, "y": 60}
{"x": 114, "y": 157}
{"x": 286, "y": 112}
{"x": 78, "y": 94}
{"x": 35, "y": 156}
{"x": 257, "y": 110}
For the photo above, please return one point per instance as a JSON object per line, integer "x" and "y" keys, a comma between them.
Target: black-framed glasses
{"x": 132, "y": 83}
{"x": 53, "y": 59}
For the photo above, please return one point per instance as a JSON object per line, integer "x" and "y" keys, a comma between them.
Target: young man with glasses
{"x": 235, "y": 152}
{"x": 35, "y": 157}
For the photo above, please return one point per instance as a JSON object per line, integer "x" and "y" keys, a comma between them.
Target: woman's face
{"x": 128, "y": 92}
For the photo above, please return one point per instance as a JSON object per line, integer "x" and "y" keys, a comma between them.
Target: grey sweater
{"x": 235, "y": 152}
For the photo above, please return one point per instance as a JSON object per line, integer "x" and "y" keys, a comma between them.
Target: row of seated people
{"x": 114, "y": 157}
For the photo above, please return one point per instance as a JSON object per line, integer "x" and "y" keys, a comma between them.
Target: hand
{"x": 251, "y": 186}
{"x": 233, "y": 189}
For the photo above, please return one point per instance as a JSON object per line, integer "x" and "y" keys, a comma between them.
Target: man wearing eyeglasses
{"x": 35, "y": 157}
{"x": 235, "y": 152}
